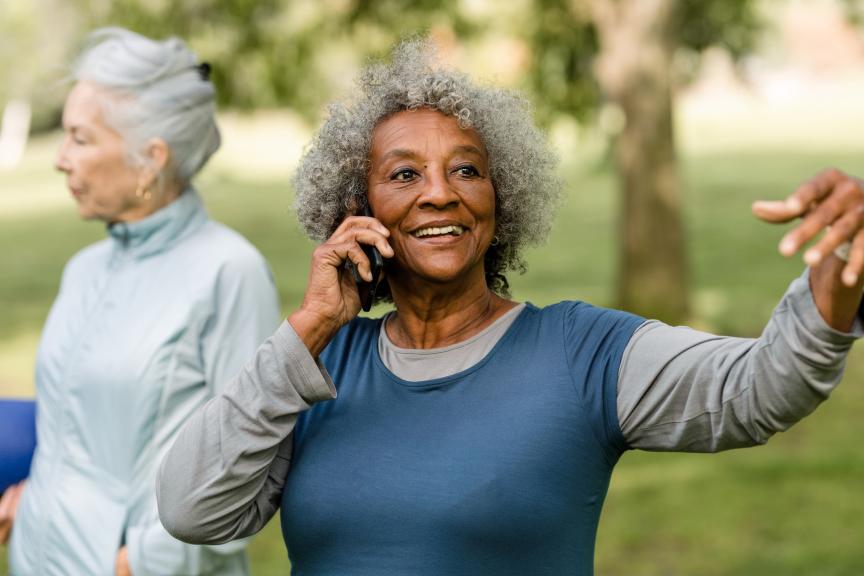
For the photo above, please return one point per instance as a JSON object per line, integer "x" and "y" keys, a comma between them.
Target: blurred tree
{"x": 854, "y": 10}
{"x": 269, "y": 53}
{"x": 631, "y": 46}
{"x": 31, "y": 54}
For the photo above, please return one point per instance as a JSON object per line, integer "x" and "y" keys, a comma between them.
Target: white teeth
{"x": 454, "y": 229}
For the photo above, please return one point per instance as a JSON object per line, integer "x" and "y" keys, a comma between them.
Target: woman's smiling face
{"x": 429, "y": 184}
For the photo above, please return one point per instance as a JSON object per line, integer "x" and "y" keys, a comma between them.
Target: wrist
{"x": 838, "y": 304}
{"x": 315, "y": 330}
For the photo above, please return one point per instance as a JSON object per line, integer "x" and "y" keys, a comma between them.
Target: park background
{"x": 759, "y": 106}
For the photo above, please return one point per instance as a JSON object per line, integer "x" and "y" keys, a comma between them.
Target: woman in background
{"x": 148, "y": 322}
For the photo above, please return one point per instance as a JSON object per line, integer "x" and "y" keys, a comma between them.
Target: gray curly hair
{"x": 331, "y": 180}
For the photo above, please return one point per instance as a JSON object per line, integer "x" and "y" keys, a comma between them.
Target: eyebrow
{"x": 398, "y": 153}
{"x": 468, "y": 148}
{"x": 405, "y": 153}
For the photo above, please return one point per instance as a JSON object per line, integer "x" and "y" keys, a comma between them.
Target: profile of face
{"x": 429, "y": 184}
{"x": 93, "y": 156}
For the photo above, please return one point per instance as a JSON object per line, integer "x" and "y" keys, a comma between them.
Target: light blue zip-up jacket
{"x": 148, "y": 325}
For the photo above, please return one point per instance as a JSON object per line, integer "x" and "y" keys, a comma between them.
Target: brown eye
{"x": 404, "y": 175}
{"x": 467, "y": 171}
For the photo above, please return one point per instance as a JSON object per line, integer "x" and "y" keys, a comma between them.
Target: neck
{"x": 432, "y": 316}
{"x": 145, "y": 207}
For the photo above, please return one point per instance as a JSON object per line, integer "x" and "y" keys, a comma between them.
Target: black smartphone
{"x": 367, "y": 290}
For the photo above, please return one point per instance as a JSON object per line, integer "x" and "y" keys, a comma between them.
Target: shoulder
{"x": 358, "y": 336}
{"x": 215, "y": 256}
{"x": 582, "y": 329}
{"x": 218, "y": 245}
{"x": 217, "y": 266}
{"x": 87, "y": 259}
{"x": 359, "y": 330}
{"x": 96, "y": 252}
{"x": 581, "y": 317}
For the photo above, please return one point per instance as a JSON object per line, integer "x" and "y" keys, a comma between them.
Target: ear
{"x": 353, "y": 206}
{"x": 157, "y": 156}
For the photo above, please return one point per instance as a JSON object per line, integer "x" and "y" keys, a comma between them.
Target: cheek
{"x": 482, "y": 203}
{"x": 390, "y": 209}
{"x": 108, "y": 176}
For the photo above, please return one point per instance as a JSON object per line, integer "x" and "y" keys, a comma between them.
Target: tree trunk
{"x": 634, "y": 71}
{"x": 14, "y": 130}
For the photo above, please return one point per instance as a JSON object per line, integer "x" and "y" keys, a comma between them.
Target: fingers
{"x": 360, "y": 222}
{"x": 345, "y": 243}
{"x": 8, "y": 507}
{"x": 5, "y": 515}
{"x": 830, "y": 211}
{"x": 361, "y": 262}
{"x": 777, "y": 211}
{"x": 366, "y": 236}
{"x": 840, "y": 231}
{"x": 335, "y": 254}
{"x": 121, "y": 563}
{"x": 800, "y": 201}
{"x": 365, "y": 230}
{"x": 838, "y": 211}
{"x": 855, "y": 265}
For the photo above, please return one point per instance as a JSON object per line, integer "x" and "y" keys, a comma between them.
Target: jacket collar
{"x": 161, "y": 230}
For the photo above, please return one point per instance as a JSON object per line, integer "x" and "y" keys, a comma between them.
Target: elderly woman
{"x": 148, "y": 324}
{"x": 473, "y": 434}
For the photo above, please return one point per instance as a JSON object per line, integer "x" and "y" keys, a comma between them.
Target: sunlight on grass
{"x": 17, "y": 358}
{"x": 793, "y": 115}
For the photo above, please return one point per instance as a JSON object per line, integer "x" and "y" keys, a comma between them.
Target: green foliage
{"x": 31, "y": 56}
{"x": 269, "y": 53}
{"x": 729, "y": 24}
{"x": 854, "y": 10}
{"x": 564, "y": 44}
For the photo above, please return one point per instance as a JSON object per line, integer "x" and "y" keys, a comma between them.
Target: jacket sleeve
{"x": 684, "y": 390}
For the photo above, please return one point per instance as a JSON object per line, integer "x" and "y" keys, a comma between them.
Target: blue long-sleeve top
{"x": 497, "y": 468}
{"x": 148, "y": 325}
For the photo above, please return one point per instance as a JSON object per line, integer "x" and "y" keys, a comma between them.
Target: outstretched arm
{"x": 688, "y": 391}
{"x": 684, "y": 390}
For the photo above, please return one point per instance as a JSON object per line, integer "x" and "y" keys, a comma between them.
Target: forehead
{"x": 422, "y": 130}
{"x": 83, "y": 106}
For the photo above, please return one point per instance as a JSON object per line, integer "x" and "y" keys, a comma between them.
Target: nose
{"x": 438, "y": 192}
{"x": 61, "y": 160}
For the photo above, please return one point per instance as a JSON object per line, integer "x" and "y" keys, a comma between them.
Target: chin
{"x": 443, "y": 275}
{"x": 86, "y": 213}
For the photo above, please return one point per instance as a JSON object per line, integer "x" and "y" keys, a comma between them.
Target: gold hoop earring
{"x": 143, "y": 193}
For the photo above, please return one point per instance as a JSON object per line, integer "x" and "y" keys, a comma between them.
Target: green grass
{"x": 794, "y": 507}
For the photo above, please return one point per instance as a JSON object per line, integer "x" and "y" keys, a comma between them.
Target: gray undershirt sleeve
{"x": 222, "y": 478}
{"x": 684, "y": 390}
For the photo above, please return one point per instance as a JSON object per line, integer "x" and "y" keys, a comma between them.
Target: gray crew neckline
{"x": 425, "y": 365}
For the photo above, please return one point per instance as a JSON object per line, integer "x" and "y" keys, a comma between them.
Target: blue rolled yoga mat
{"x": 17, "y": 440}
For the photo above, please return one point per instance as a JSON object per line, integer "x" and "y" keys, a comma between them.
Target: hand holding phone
{"x": 367, "y": 290}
